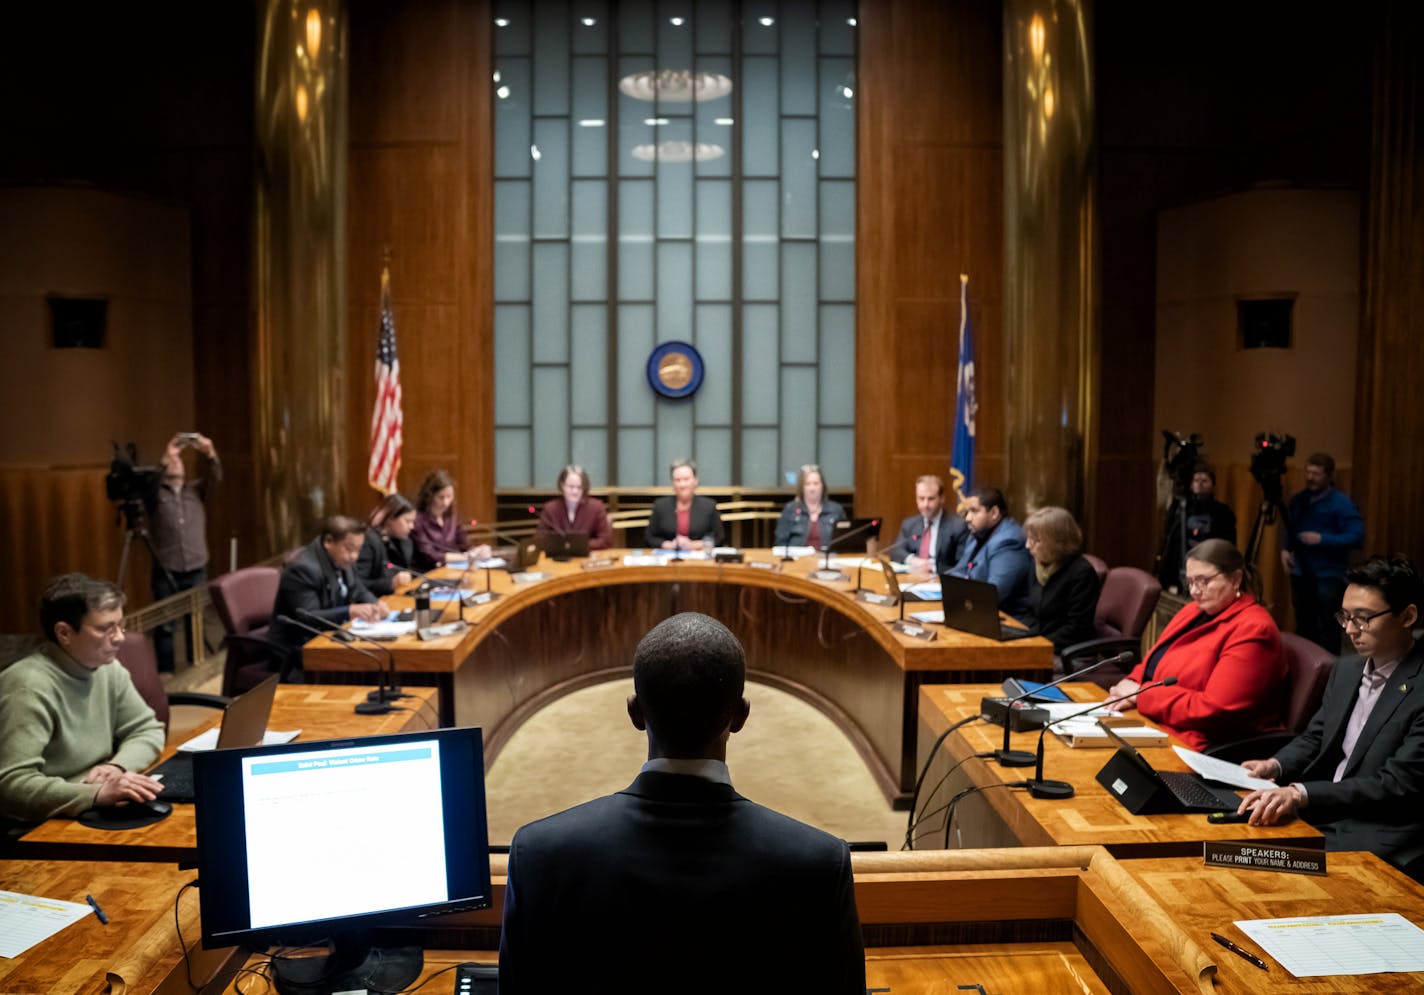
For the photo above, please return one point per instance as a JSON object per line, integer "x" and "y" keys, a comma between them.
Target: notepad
{"x": 27, "y": 919}
{"x": 1320, "y": 946}
{"x": 205, "y": 741}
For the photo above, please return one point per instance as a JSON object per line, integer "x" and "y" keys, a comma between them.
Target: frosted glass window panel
{"x": 674, "y": 183}
{"x": 589, "y": 39}
{"x": 636, "y": 20}
{"x": 590, "y": 240}
{"x": 714, "y": 456}
{"x": 674, "y": 300}
{"x": 837, "y": 118}
{"x": 760, "y": 249}
{"x": 551, "y": 178}
{"x": 635, "y": 240}
{"x": 759, "y": 458}
{"x": 635, "y": 468}
{"x": 712, "y": 404}
{"x": 635, "y": 120}
{"x": 551, "y": 421}
{"x": 836, "y": 362}
{"x": 837, "y": 34}
{"x": 589, "y": 364}
{"x": 512, "y": 129}
{"x": 713, "y": 118}
{"x": 714, "y": 26}
{"x": 511, "y": 240}
{"x": 551, "y": 303}
{"x": 759, "y": 38}
{"x": 714, "y": 240}
{"x": 511, "y": 457}
{"x": 551, "y": 58}
{"x": 798, "y": 58}
{"x": 761, "y": 360}
{"x": 798, "y": 415}
{"x": 760, "y": 122}
{"x": 590, "y": 124}
{"x": 513, "y": 37}
{"x": 590, "y": 451}
{"x": 635, "y": 343}
{"x": 836, "y": 454}
{"x": 511, "y": 364}
{"x": 798, "y": 178}
{"x": 675, "y": 440}
{"x": 798, "y": 302}
{"x": 837, "y": 240}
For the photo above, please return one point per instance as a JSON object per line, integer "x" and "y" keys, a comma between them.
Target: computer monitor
{"x": 321, "y": 842}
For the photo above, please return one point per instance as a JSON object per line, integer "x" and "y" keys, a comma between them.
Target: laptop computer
{"x": 973, "y": 606}
{"x": 565, "y": 545}
{"x": 1144, "y": 790}
{"x": 525, "y": 555}
{"x": 244, "y": 721}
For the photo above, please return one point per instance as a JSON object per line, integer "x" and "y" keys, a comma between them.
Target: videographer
{"x": 1324, "y": 526}
{"x": 178, "y": 520}
{"x": 1206, "y": 518}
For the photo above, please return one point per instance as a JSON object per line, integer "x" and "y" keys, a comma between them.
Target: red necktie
{"x": 925, "y": 543}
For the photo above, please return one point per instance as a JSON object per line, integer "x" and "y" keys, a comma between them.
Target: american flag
{"x": 386, "y": 417}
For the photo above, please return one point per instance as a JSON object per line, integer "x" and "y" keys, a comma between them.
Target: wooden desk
{"x": 1008, "y": 817}
{"x": 579, "y": 626}
{"x": 1205, "y": 899}
{"x": 319, "y": 712}
{"x": 137, "y": 951}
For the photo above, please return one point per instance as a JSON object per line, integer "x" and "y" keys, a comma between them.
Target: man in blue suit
{"x": 995, "y": 551}
{"x": 678, "y": 883}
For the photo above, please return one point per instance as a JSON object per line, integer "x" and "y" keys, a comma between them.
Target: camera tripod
{"x": 136, "y": 527}
{"x": 1270, "y": 509}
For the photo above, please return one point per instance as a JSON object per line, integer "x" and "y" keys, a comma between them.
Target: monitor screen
{"x": 295, "y": 842}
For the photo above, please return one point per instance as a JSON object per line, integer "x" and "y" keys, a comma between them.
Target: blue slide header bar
{"x": 334, "y": 762}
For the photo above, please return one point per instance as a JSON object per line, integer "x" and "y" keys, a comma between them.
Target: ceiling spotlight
{"x": 589, "y": 22}
{"x": 591, "y": 122}
{"x": 501, "y": 22}
{"x": 502, "y": 93}
{"x": 847, "y": 92}
{"x": 655, "y": 121}
{"x": 767, "y": 22}
{"x": 815, "y": 153}
{"x": 534, "y": 153}
{"x": 726, "y": 122}
{"x": 851, "y": 21}
{"x": 676, "y": 22}
{"x": 496, "y": 75}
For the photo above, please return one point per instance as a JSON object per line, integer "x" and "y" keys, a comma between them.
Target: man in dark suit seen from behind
{"x": 1357, "y": 771}
{"x": 320, "y": 581}
{"x": 678, "y": 883}
{"x": 931, "y": 541}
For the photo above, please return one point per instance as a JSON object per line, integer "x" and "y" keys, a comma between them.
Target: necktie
{"x": 925, "y": 542}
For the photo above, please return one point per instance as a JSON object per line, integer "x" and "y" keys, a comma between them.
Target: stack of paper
{"x": 1319, "y": 946}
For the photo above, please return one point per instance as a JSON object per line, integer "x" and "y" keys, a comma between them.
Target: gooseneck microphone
{"x": 1006, "y": 757}
{"x": 377, "y": 702}
{"x": 1040, "y": 788}
{"x": 390, "y": 693}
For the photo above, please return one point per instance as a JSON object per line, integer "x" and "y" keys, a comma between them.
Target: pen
{"x": 97, "y": 911}
{"x": 1239, "y": 952}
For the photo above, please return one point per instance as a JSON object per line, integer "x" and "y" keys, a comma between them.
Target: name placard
{"x": 872, "y": 598}
{"x": 1264, "y": 857}
{"x": 915, "y": 631}
{"x": 603, "y": 563}
{"x": 764, "y": 565}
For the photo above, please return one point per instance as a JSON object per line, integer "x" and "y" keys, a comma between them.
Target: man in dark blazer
{"x": 937, "y": 533}
{"x": 1357, "y": 772}
{"x": 678, "y": 883}
{"x": 320, "y": 581}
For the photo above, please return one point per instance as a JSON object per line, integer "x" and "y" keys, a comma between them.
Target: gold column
{"x": 1050, "y": 254}
{"x": 299, "y": 270}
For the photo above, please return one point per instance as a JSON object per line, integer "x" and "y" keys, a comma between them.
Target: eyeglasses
{"x": 1361, "y": 622}
{"x": 1200, "y": 581}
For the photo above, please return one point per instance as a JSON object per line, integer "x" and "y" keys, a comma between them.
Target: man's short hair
{"x": 1325, "y": 461}
{"x": 930, "y": 478}
{"x": 338, "y": 527}
{"x": 70, "y": 597}
{"x": 1394, "y": 577}
{"x": 689, "y": 673}
{"x": 991, "y": 497}
{"x": 1202, "y": 466}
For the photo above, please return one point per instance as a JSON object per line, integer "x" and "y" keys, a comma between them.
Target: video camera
{"x": 1268, "y": 462}
{"x": 1180, "y": 456}
{"x": 128, "y": 482}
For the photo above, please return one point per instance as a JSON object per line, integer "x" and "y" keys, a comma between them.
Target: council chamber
{"x": 403, "y": 368}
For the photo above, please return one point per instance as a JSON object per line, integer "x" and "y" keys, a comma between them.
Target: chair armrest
{"x": 197, "y": 698}
{"x": 1098, "y": 648}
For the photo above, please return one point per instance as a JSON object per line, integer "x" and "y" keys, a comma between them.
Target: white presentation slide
{"x": 321, "y": 826}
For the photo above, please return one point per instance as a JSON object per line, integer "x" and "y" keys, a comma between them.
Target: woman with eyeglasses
{"x": 810, "y": 519}
{"x": 1225, "y": 651}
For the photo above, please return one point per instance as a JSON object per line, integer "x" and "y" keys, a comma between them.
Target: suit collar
{"x": 680, "y": 788}
{"x": 1402, "y": 682}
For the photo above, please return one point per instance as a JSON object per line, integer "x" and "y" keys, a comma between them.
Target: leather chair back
{"x": 1099, "y": 567}
{"x": 1307, "y": 669}
{"x": 1125, "y": 603}
{"x": 244, "y": 598}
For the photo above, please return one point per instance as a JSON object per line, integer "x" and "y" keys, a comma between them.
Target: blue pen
{"x": 97, "y": 911}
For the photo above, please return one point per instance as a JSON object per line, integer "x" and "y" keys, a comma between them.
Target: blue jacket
{"x": 1003, "y": 561}
{"x": 1341, "y": 529}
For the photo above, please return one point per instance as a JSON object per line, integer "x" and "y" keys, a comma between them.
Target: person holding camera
{"x": 177, "y": 515}
{"x": 1322, "y": 527}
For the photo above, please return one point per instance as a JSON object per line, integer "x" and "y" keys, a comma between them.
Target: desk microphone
{"x": 1002, "y": 711}
{"x": 377, "y": 705}
{"x": 1040, "y": 788}
{"x": 393, "y": 692}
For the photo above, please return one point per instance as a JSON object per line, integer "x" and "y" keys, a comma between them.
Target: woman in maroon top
{"x": 437, "y": 534}
{"x": 575, "y": 511}
{"x": 1225, "y": 651}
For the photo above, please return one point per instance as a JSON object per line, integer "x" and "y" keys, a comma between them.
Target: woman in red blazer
{"x": 1224, "y": 650}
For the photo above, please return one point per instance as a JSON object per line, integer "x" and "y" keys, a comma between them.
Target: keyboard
{"x": 1196, "y": 795}
{"x": 177, "y": 773}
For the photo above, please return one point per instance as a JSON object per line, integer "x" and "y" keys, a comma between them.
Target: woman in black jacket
{"x": 1063, "y": 593}
{"x": 388, "y": 554}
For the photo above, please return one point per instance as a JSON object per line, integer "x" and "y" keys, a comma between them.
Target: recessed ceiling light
{"x": 496, "y": 75}
{"x": 591, "y": 122}
{"x": 767, "y": 22}
{"x": 676, "y": 22}
{"x": 502, "y": 93}
{"x": 655, "y": 120}
{"x": 534, "y": 153}
{"x": 847, "y": 92}
{"x": 501, "y": 22}
{"x": 815, "y": 153}
{"x": 724, "y": 121}
{"x": 589, "y": 22}
{"x": 851, "y": 21}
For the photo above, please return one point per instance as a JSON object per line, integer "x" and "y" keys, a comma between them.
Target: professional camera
{"x": 1179, "y": 456}
{"x": 127, "y": 480}
{"x": 1268, "y": 462}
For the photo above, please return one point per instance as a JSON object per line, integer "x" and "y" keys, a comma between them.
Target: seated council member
{"x": 388, "y": 552}
{"x": 677, "y": 882}
{"x": 73, "y": 731}
{"x": 575, "y": 511}
{"x": 810, "y": 519}
{"x": 437, "y": 535}
{"x": 320, "y": 581}
{"x": 1225, "y": 651}
{"x": 1063, "y": 591}
{"x": 1357, "y": 771}
{"x": 994, "y": 551}
{"x": 929, "y": 542}
{"x": 685, "y": 520}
